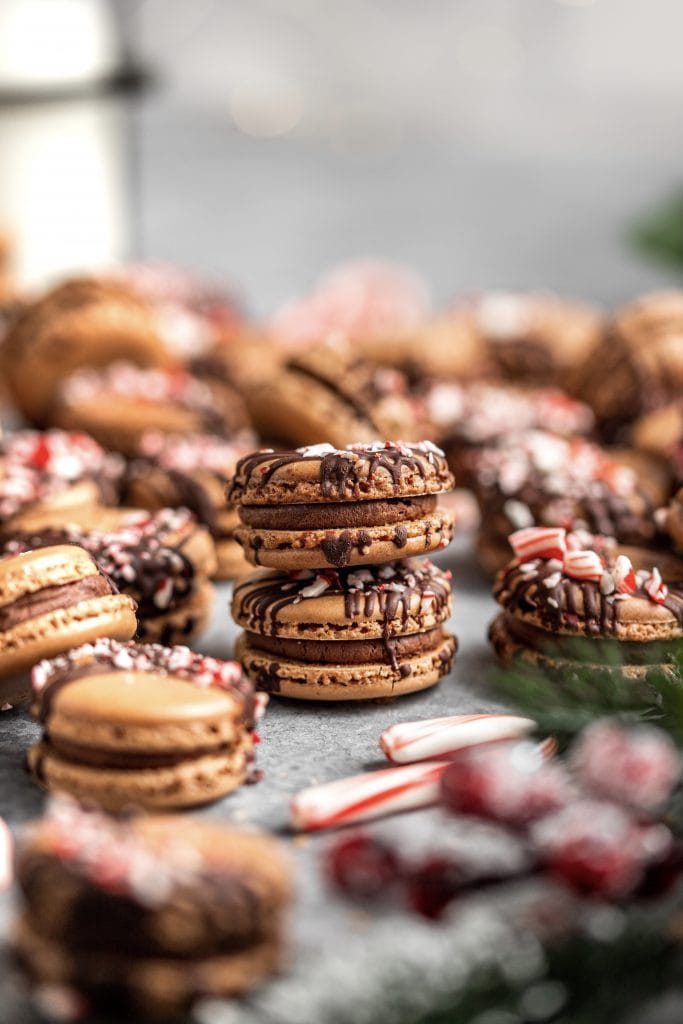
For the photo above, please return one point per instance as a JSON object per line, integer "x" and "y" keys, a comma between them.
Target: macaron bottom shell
{"x": 336, "y": 682}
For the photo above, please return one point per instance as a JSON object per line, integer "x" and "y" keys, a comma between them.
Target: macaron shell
{"x": 184, "y": 623}
{"x": 158, "y": 989}
{"x": 48, "y": 635}
{"x": 118, "y": 422}
{"x": 191, "y": 782}
{"x": 325, "y": 618}
{"x": 305, "y": 549}
{"x": 299, "y": 481}
{"x": 232, "y": 563}
{"x": 143, "y": 711}
{"x": 302, "y": 411}
{"x": 72, "y": 505}
{"x": 306, "y": 681}
{"x": 32, "y": 571}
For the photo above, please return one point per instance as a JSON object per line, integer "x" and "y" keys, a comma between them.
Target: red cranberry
{"x": 638, "y": 766}
{"x": 432, "y": 885}
{"x": 362, "y": 866}
{"x": 507, "y": 782}
{"x": 598, "y": 848}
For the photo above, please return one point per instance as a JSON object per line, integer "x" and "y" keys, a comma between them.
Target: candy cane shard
{"x": 539, "y": 542}
{"x": 433, "y": 738}
{"x": 583, "y": 565}
{"x": 6, "y": 856}
{"x": 370, "y": 795}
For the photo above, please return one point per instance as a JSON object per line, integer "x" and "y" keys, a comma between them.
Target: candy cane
{"x": 583, "y": 565}
{"x": 370, "y": 795}
{"x": 539, "y": 542}
{"x": 433, "y": 738}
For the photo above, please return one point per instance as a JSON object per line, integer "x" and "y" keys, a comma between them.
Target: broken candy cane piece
{"x": 408, "y": 742}
{"x": 6, "y": 856}
{"x": 370, "y": 795}
{"x": 655, "y": 588}
{"x": 624, "y": 576}
{"x": 539, "y": 542}
{"x": 583, "y": 565}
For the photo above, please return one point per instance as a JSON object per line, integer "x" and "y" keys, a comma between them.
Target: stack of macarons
{"x": 343, "y": 610}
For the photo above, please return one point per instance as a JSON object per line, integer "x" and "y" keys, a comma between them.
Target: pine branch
{"x": 659, "y": 235}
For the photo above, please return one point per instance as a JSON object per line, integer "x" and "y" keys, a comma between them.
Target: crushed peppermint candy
{"x": 36, "y": 465}
{"x": 145, "y": 384}
{"x": 140, "y": 657}
{"x": 188, "y": 453}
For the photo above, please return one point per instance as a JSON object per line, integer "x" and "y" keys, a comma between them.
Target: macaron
{"x": 321, "y": 506}
{"x": 173, "y": 597}
{"x": 50, "y": 600}
{"x": 83, "y": 322}
{"x": 579, "y": 607}
{"x": 673, "y": 521}
{"x": 329, "y": 393}
{"x": 636, "y": 365}
{"x": 142, "y": 725}
{"x": 660, "y": 434}
{"x": 142, "y": 916}
{"x": 353, "y": 634}
{"x": 191, "y": 470}
{"x": 534, "y": 339}
{"x": 536, "y": 478}
{"x": 118, "y": 403}
{"x": 52, "y": 477}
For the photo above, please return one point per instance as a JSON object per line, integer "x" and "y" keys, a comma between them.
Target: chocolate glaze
{"x": 343, "y": 474}
{"x": 360, "y": 403}
{"x": 128, "y": 760}
{"x": 557, "y": 607}
{"x": 186, "y": 490}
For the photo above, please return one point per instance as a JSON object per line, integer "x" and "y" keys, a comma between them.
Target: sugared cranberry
{"x": 638, "y": 767}
{"x": 507, "y": 782}
{"x": 432, "y": 885}
{"x": 599, "y": 848}
{"x": 362, "y": 866}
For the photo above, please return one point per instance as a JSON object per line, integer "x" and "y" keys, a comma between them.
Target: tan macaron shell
{"x": 305, "y": 549}
{"x": 324, "y": 617}
{"x": 72, "y": 505}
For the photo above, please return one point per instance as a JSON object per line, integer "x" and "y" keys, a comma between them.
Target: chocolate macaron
{"x": 140, "y": 917}
{"x": 173, "y": 599}
{"x": 573, "y": 603}
{"x": 50, "y": 600}
{"x": 321, "y": 506}
{"x": 142, "y": 725}
{"x": 192, "y": 470}
{"x": 356, "y": 633}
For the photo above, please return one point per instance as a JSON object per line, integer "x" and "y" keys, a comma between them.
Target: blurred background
{"x": 489, "y": 143}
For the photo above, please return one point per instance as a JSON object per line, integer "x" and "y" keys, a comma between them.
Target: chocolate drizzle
{"x": 578, "y": 605}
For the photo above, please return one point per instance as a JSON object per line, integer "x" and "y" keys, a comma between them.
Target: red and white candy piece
{"x": 370, "y": 795}
{"x": 539, "y": 542}
{"x": 655, "y": 588}
{"x": 583, "y": 565}
{"x": 624, "y": 576}
{"x": 6, "y": 856}
{"x": 409, "y": 742}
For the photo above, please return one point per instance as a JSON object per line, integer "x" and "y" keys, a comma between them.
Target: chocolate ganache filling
{"x": 129, "y": 760}
{"x": 339, "y": 515}
{"x": 50, "y": 599}
{"x": 350, "y": 652}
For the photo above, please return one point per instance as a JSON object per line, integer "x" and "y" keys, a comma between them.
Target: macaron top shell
{"x": 322, "y": 473}
{"x": 143, "y": 683}
{"x": 363, "y": 602}
{"x": 26, "y": 574}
